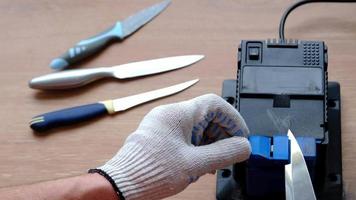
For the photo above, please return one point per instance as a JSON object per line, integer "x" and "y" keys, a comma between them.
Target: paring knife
{"x": 81, "y": 113}
{"x": 297, "y": 179}
{"x": 119, "y": 31}
{"x": 80, "y": 77}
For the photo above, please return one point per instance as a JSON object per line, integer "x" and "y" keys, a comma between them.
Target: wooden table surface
{"x": 35, "y": 31}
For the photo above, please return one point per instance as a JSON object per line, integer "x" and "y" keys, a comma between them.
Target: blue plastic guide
{"x": 265, "y": 168}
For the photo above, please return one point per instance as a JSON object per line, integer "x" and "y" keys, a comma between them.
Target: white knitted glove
{"x": 175, "y": 144}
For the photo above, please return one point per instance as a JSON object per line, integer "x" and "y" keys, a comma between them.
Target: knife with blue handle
{"x": 82, "y": 113}
{"x": 68, "y": 116}
{"x": 119, "y": 31}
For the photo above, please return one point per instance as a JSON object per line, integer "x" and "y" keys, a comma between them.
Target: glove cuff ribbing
{"x": 138, "y": 176}
{"x": 111, "y": 181}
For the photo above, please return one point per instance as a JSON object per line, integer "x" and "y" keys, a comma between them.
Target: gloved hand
{"x": 176, "y": 144}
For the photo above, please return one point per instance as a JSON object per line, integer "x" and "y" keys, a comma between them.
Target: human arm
{"x": 173, "y": 146}
{"x": 88, "y": 187}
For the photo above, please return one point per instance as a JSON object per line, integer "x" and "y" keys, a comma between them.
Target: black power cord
{"x": 300, "y": 3}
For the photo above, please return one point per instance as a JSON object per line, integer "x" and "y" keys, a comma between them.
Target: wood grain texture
{"x": 35, "y": 31}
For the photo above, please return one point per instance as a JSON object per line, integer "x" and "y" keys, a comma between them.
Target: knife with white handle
{"x": 76, "y": 78}
{"x": 82, "y": 113}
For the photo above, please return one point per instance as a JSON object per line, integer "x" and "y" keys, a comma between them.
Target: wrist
{"x": 95, "y": 186}
{"x": 142, "y": 173}
{"x": 109, "y": 180}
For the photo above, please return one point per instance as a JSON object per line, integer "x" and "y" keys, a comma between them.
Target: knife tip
{"x": 201, "y": 56}
{"x": 194, "y": 58}
{"x": 188, "y": 84}
{"x": 192, "y": 82}
{"x": 58, "y": 64}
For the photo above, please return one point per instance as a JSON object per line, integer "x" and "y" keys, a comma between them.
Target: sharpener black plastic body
{"x": 284, "y": 85}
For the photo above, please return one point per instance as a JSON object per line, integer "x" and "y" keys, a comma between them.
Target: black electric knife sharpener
{"x": 284, "y": 85}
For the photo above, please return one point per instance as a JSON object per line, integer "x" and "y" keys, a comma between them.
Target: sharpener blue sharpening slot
{"x": 265, "y": 168}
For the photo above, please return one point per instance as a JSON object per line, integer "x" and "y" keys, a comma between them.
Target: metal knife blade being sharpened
{"x": 297, "y": 179}
{"x": 77, "y": 78}
{"x": 119, "y": 31}
{"x": 82, "y": 113}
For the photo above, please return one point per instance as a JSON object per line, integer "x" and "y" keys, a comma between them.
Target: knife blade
{"x": 119, "y": 31}
{"x": 297, "y": 180}
{"x": 76, "y": 78}
{"x": 82, "y": 113}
